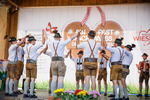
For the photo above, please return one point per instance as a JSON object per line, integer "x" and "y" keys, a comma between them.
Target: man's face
{"x": 115, "y": 44}
{"x": 102, "y": 54}
{"x": 14, "y": 42}
{"x": 58, "y": 39}
{"x": 80, "y": 55}
{"x": 23, "y": 44}
{"x": 127, "y": 48}
{"x": 144, "y": 57}
{"x": 33, "y": 42}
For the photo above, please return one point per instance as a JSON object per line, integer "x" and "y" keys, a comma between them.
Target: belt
{"x": 12, "y": 62}
{"x": 79, "y": 63}
{"x": 57, "y": 58}
{"x": 102, "y": 68}
{"x": 90, "y": 59}
{"x": 30, "y": 61}
{"x": 80, "y": 70}
{"x": 126, "y": 66}
{"x": 117, "y": 63}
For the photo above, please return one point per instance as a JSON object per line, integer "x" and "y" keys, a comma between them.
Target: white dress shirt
{"x": 87, "y": 50}
{"x": 33, "y": 54}
{"x": 104, "y": 65}
{"x": 49, "y": 54}
{"x": 61, "y": 46}
{"x": 20, "y": 53}
{"x": 127, "y": 58}
{"x": 78, "y": 60}
{"x": 12, "y": 53}
{"x": 115, "y": 53}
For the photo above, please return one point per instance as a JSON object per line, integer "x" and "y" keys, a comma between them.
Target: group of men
{"x": 86, "y": 66}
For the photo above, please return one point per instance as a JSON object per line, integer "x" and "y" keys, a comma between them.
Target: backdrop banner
{"x": 129, "y": 21}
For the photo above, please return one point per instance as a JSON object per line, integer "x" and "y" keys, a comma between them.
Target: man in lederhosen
{"x": 57, "y": 64}
{"x": 90, "y": 56}
{"x": 20, "y": 66}
{"x": 117, "y": 68}
{"x": 102, "y": 69}
{"x": 12, "y": 60}
{"x": 144, "y": 75}
{"x": 79, "y": 69}
{"x": 31, "y": 64}
{"x": 126, "y": 61}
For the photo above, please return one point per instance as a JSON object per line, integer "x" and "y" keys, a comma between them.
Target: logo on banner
{"x": 143, "y": 36}
{"x": 111, "y": 30}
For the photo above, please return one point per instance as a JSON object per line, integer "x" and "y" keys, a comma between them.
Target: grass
{"x": 132, "y": 88}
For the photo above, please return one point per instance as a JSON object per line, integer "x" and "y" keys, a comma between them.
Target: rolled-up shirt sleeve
{"x": 49, "y": 54}
{"x": 111, "y": 49}
{"x": 37, "y": 46}
{"x": 66, "y": 41}
{"x": 126, "y": 52}
{"x": 99, "y": 46}
{"x": 80, "y": 46}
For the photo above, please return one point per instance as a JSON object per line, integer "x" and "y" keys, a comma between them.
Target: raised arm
{"x": 78, "y": 39}
{"x": 44, "y": 50}
{"x": 68, "y": 53}
{"x": 106, "y": 57}
{"x": 43, "y": 38}
{"x": 76, "y": 35}
{"x": 45, "y": 34}
{"x": 23, "y": 40}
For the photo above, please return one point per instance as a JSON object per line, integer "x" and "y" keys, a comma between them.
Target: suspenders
{"x": 121, "y": 55}
{"x": 55, "y": 49}
{"x": 28, "y": 52}
{"x": 92, "y": 54}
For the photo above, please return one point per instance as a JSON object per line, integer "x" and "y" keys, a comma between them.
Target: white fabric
{"x": 49, "y": 54}
{"x": 20, "y": 53}
{"x": 76, "y": 60}
{"x": 115, "y": 53}
{"x": 33, "y": 54}
{"x": 12, "y": 52}
{"x": 61, "y": 46}
{"x": 128, "y": 57}
{"x": 104, "y": 65}
{"x": 87, "y": 50}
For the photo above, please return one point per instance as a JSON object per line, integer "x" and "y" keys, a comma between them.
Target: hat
{"x": 57, "y": 35}
{"x": 129, "y": 46}
{"x": 80, "y": 52}
{"x": 12, "y": 39}
{"x": 103, "y": 51}
{"x": 145, "y": 54}
{"x": 92, "y": 33}
{"x": 118, "y": 41}
{"x": 31, "y": 38}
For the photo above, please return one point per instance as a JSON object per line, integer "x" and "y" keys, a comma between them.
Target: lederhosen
{"x": 126, "y": 71}
{"x": 79, "y": 72}
{"x": 20, "y": 65}
{"x": 31, "y": 66}
{"x": 144, "y": 75}
{"x": 90, "y": 64}
{"x": 102, "y": 72}
{"x": 58, "y": 66}
{"x": 11, "y": 67}
{"x": 117, "y": 68}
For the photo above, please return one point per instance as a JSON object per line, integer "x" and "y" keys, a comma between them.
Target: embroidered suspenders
{"x": 92, "y": 54}
{"x": 55, "y": 49}
{"x": 28, "y": 52}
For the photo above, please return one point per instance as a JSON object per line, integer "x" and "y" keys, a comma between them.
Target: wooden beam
{"x": 46, "y": 3}
{"x": 12, "y": 3}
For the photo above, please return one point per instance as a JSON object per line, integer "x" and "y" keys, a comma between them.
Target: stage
{"x": 43, "y": 95}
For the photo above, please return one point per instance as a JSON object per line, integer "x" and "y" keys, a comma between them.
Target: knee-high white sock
{"x": 32, "y": 87}
{"x": 113, "y": 90}
{"x": 25, "y": 87}
{"x": 116, "y": 92}
{"x": 77, "y": 85}
{"x": 99, "y": 88}
{"x": 105, "y": 88}
{"x": 125, "y": 92}
{"x": 82, "y": 86}
{"x": 146, "y": 89}
{"x": 53, "y": 87}
{"x": 7, "y": 86}
{"x": 140, "y": 89}
{"x": 60, "y": 85}
{"x": 50, "y": 85}
{"x": 10, "y": 87}
{"x": 87, "y": 87}
{"x": 121, "y": 91}
{"x": 15, "y": 85}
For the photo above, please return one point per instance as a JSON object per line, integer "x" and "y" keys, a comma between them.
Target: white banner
{"x": 128, "y": 21}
